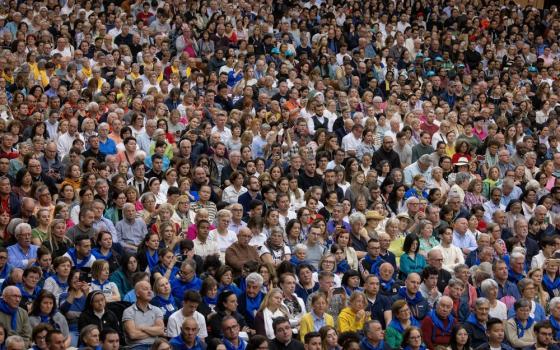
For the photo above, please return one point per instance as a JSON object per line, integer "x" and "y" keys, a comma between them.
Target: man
{"x": 353, "y": 140}
{"x": 64, "y": 141}
{"x": 93, "y": 151}
{"x": 230, "y": 330}
{"x": 144, "y": 139}
{"x": 12, "y": 317}
{"x": 418, "y": 305}
{"x": 435, "y": 259}
{"x": 51, "y": 164}
{"x": 131, "y": 230}
{"x": 389, "y": 286}
{"x": 106, "y": 144}
{"x": 309, "y": 177}
{"x": 521, "y": 232}
{"x": 374, "y": 337}
{"x": 203, "y": 246}
{"x": 476, "y": 323}
{"x": 424, "y": 147}
{"x": 283, "y": 339}
{"x": 143, "y": 322}
{"x": 337, "y": 221}
{"x": 315, "y": 250}
{"x": 371, "y": 263}
{"x": 253, "y": 192}
{"x": 516, "y": 267}
{"x": 474, "y": 257}
{"x": 505, "y": 286}
{"x": 240, "y": 252}
{"x": 56, "y": 340}
{"x": 188, "y": 338}
{"x": 191, "y": 301}
{"x": 185, "y": 280}
{"x": 15, "y": 342}
{"x": 284, "y": 212}
{"x": 139, "y": 180}
{"x": 268, "y": 192}
{"x": 101, "y": 223}
{"x": 429, "y": 288}
{"x": 379, "y": 305}
{"x": 386, "y": 152}
{"x": 452, "y": 255}
{"x": 109, "y": 339}
{"x": 312, "y": 341}
{"x": 22, "y": 254}
{"x": 85, "y": 224}
{"x": 156, "y": 163}
{"x": 495, "y": 333}
{"x": 493, "y": 205}
{"x": 422, "y": 166}
{"x": 250, "y": 300}
{"x": 81, "y": 256}
{"x": 462, "y": 238}
{"x": 544, "y": 335}
{"x": 36, "y": 171}
{"x": 438, "y": 324}
{"x": 384, "y": 241}
{"x": 545, "y": 229}
{"x": 236, "y": 218}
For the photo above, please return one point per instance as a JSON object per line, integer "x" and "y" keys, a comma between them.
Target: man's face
{"x": 283, "y": 332}
{"x": 496, "y": 333}
{"x": 330, "y": 178}
{"x": 84, "y": 248}
{"x": 435, "y": 259}
{"x": 444, "y": 308}
{"x": 373, "y": 249}
{"x": 189, "y": 331}
{"x": 482, "y": 312}
{"x": 5, "y": 187}
{"x": 158, "y": 164}
{"x": 314, "y": 344}
{"x": 545, "y": 337}
{"x": 412, "y": 284}
{"x": 230, "y": 328}
{"x": 12, "y": 298}
{"x": 57, "y": 342}
{"x": 129, "y": 213}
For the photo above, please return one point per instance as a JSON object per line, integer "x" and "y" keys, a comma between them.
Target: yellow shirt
{"x": 347, "y": 321}
{"x": 307, "y": 324}
{"x": 396, "y": 247}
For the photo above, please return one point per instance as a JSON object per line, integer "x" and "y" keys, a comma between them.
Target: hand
{"x": 360, "y": 315}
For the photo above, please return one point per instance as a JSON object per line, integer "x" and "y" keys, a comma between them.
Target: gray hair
{"x": 357, "y": 217}
{"x": 488, "y": 284}
{"x": 128, "y": 205}
{"x": 300, "y": 247}
{"x": 458, "y": 268}
{"x": 462, "y": 177}
{"x": 254, "y": 278}
{"x": 553, "y": 302}
{"x": 521, "y": 303}
{"x": 524, "y": 283}
{"x": 517, "y": 255}
{"x": 481, "y": 301}
{"x": 20, "y": 227}
{"x": 223, "y": 213}
{"x": 456, "y": 282}
{"x": 14, "y": 339}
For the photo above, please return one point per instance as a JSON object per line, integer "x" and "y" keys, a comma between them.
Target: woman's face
{"x": 98, "y": 303}
{"x": 276, "y": 300}
{"x": 320, "y": 306}
{"x": 358, "y": 304}
{"x": 104, "y": 274}
{"x": 163, "y": 286}
{"x": 415, "y": 339}
{"x": 227, "y": 278}
{"x": 231, "y": 303}
{"x": 46, "y": 306}
{"x": 529, "y": 291}
{"x": 132, "y": 264}
{"x": 523, "y": 313}
{"x": 332, "y": 338}
{"x": 153, "y": 242}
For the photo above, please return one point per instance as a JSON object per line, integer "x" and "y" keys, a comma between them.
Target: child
{"x": 341, "y": 263}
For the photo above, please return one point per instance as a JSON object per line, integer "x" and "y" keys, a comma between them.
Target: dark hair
{"x": 406, "y": 334}
{"x": 453, "y": 343}
{"x": 409, "y": 239}
{"x": 222, "y": 299}
{"x": 36, "y": 308}
{"x": 278, "y": 321}
{"x": 307, "y": 338}
{"x": 542, "y": 324}
{"x": 492, "y": 322}
{"x": 347, "y": 275}
{"x": 105, "y": 332}
{"x": 255, "y": 342}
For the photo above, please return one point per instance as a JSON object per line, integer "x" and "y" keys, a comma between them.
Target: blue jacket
{"x": 419, "y": 306}
{"x": 178, "y": 343}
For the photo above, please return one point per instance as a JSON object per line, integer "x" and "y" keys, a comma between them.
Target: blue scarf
{"x": 101, "y": 285}
{"x": 556, "y": 327}
{"x": 253, "y": 304}
{"x": 366, "y": 345}
{"x": 472, "y": 320}
{"x": 349, "y": 290}
{"x": 229, "y": 345}
{"x": 45, "y": 319}
{"x": 386, "y": 286}
{"x": 296, "y": 262}
{"x": 12, "y": 312}
{"x": 178, "y": 343}
{"x": 422, "y": 347}
{"x": 152, "y": 259}
{"x": 417, "y": 298}
{"x": 520, "y": 329}
{"x": 396, "y": 324}
{"x": 63, "y": 286}
{"x": 74, "y": 257}
{"x": 514, "y": 276}
{"x": 210, "y": 301}
{"x": 342, "y": 266}
{"x": 235, "y": 289}
{"x": 5, "y": 272}
{"x": 374, "y": 264}
{"x": 549, "y": 284}
{"x": 26, "y": 295}
{"x": 99, "y": 256}
{"x": 438, "y": 323}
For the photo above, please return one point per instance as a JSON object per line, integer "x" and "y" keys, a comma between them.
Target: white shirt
{"x": 452, "y": 256}
{"x": 223, "y": 241}
{"x": 176, "y": 321}
{"x": 230, "y": 195}
{"x": 500, "y": 311}
{"x": 204, "y": 249}
{"x": 350, "y": 142}
{"x": 64, "y": 143}
{"x": 225, "y": 134}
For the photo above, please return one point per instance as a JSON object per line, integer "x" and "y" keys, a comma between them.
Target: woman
{"x": 170, "y": 179}
{"x": 100, "y": 281}
{"x": 222, "y": 235}
{"x": 44, "y": 200}
{"x": 40, "y": 233}
{"x": 226, "y": 306}
{"x": 232, "y": 192}
{"x": 58, "y": 283}
{"x": 293, "y": 234}
{"x": 104, "y": 250}
{"x": 427, "y": 239}
{"x": 489, "y": 289}
{"x": 86, "y": 198}
{"x": 44, "y": 311}
{"x": 474, "y": 196}
{"x": 224, "y": 276}
{"x": 353, "y": 317}
{"x": 396, "y": 231}
{"x": 411, "y": 260}
{"x": 551, "y": 280}
{"x": 73, "y": 303}
{"x": 201, "y": 214}
{"x": 547, "y": 168}
{"x": 115, "y": 211}
{"x": 308, "y": 321}
{"x": 257, "y": 342}
{"x": 274, "y": 251}
{"x": 163, "y": 298}
{"x": 438, "y": 181}
{"x": 402, "y": 320}
{"x": 460, "y": 339}
{"x": 418, "y": 188}
{"x": 154, "y": 189}
{"x": 295, "y": 305}
{"x": 395, "y": 202}
{"x": 23, "y": 183}
{"x": 357, "y": 186}
{"x": 329, "y": 338}
{"x": 528, "y": 291}
{"x": 89, "y": 337}
{"x": 493, "y": 180}
{"x": 270, "y": 308}
{"x": 147, "y": 255}
{"x": 166, "y": 265}
{"x": 123, "y": 276}
{"x": 342, "y": 238}
{"x": 412, "y": 339}
{"x": 96, "y": 313}
{"x": 528, "y": 204}
{"x": 537, "y": 274}
{"x": 38, "y": 336}
{"x": 519, "y": 329}
{"x": 351, "y": 282}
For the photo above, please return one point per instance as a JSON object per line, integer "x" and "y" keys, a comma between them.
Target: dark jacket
{"x": 294, "y": 344}
{"x": 214, "y": 323}
{"x": 108, "y": 320}
{"x": 486, "y": 346}
{"x": 391, "y": 156}
{"x": 477, "y": 332}
{"x": 419, "y": 306}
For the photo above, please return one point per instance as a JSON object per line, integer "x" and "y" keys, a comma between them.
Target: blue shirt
{"x": 108, "y": 147}
{"x": 464, "y": 241}
{"x": 318, "y": 322}
{"x": 18, "y": 258}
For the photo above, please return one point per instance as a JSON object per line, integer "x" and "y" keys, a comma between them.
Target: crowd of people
{"x": 284, "y": 175}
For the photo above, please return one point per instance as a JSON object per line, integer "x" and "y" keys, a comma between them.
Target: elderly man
{"x": 106, "y": 144}
{"x": 476, "y": 323}
{"x": 22, "y": 254}
{"x": 12, "y": 317}
{"x": 188, "y": 338}
{"x": 143, "y": 322}
{"x": 435, "y": 259}
{"x": 418, "y": 305}
{"x": 473, "y": 258}
{"x": 509, "y": 192}
{"x": 545, "y": 229}
{"x": 240, "y": 252}
{"x": 374, "y": 337}
{"x": 65, "y": 141}
{"x": 185, "y": 280}
{"x": 191, "y": 301}
{"x": 50, "y": 162}
{"x": 521, "y": 232}
{"x": 554, "y": 306}
{"x": 437, "y": 325}
{"x": 517, "y": 267}
{"x": 463, "y": 239}
{"x": 15, "y": 342}
{"x": 422, "y": 166}
{"x": 131, "y": 230}
{"x": 250, "y": 300}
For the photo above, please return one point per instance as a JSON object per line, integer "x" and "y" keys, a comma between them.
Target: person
{"x": 437, "y": 326}
{"x": 435, "y": 260}
{"x": 412, "y": 339}
{"x": 489, "y": 290}
{"x": 496, "y": 336}
{"x": 402, "y": 320}
{"x": 251, "y": 299}
{"x": 476, "y": 322}
{"x": 411, "y": 260}
{"x": 12, "y": 317}
{"x": 89, "y": 336}
{"x": 317, "y": 318}
{"x": 97, "y": 313}
{"x": 100, "y": 281}
{"x": 226, "y": 306}
{"x": 188, "y": 339}
{"x": 452, "y": 255}
{"x": 520, "y": 328}
{"x": 379, "y": 305}
{"x": 283, "y": 336}
{"x": 109, "y": 339}
{"x": 373, "y": 337}
{"x": 15, "y": 342}
{"x": 131, "y": 229}
{"x": 238, "y": 253}
{"x": 185, "y": 280}
{"x": 44, "y": 310}
{"x": 142, "y": 322}
{"x": 55, "y": 340}
{"x": 23, "y": 253}
{"x": 230, "y": 329}
{"x": 191, "y": 301}
{"x": 411, "y": 294}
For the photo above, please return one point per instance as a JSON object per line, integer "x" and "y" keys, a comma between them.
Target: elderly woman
{"x": 519, "y": 329}
{"x": 393, "y": 230}
{"x": 358, "y": 234}
{"x": 353, "y": 317}
{"x": 528, "y": 291}
{"x": 498, "y": 309}
{"x": 222, "y": 234}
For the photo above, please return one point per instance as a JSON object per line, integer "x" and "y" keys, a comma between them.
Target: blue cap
{"x": 439, "y": 59}
{"x": 430, "y": 74}
{"x": 533, "y": 69}
{"x": 275, "y": 50}
{"x": 419, "y": 55}
{"x": 460, "y": 65}
{"x": 289, "y": 53}
{"x": 427, "y": 59}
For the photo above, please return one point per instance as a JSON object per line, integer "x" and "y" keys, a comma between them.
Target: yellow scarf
{"x": 86, "y": 71}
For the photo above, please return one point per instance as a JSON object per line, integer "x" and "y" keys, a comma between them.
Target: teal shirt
{"x": 409, "y": 265}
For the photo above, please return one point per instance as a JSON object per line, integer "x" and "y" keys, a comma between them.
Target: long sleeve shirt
{"x": 464, "y": 241}
{"x": 18, "y": 258}
{"x": 131, "y": 232}
{"x": 452, "y": 256}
